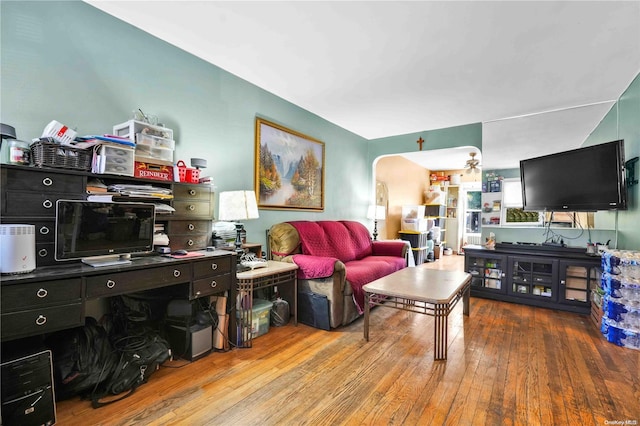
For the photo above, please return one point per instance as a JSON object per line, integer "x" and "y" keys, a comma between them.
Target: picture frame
{"x": 289, "y": 168}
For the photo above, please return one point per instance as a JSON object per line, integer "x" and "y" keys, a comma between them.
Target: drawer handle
{"x": 111, "y": 284}
{"x": 47, "y": 204}
{"x": 192, "y": 207}
{"x": 191, "y": 227}
{"x": 42, "y": 293}
{"x": 176, "y": 273}
{"x": 44, "y": 230}
{"x": 41, "y": 320}
{"x": 192, "y": 192}
{"x": 43, "y": 252}
{"x": 214, "y": 284}
{"x": 47, "y": 181}
{"x": 214, "y": 266}
{"x": 190, "y": 242}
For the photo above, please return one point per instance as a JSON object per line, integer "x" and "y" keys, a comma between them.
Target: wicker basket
{"x": 51, "y": 154}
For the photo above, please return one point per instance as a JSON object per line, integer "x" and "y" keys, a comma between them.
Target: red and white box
{"x": 153, "y": 171}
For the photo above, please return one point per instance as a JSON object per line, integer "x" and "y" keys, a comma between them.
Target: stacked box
{"x": 154, "y": 144}
{"x": 416, "y": 239}
{"x": 620, "y": 284}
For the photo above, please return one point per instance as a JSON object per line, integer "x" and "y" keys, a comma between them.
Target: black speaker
{"x": 27, "y": 391}
{"x": 191, "y": 342}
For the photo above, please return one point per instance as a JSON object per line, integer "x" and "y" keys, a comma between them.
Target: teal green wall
{"x": 71, "y": 62}
{"x": 68, "y": 61}
{"x": 621, "y": 122}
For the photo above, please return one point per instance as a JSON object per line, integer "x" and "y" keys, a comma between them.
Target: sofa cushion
{"x": 344, "y": 240}
{"x": 370, "y": 268}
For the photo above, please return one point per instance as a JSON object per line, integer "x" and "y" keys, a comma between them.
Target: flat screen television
{"x": 584, "y": 179}
{"x": 103, "y": 233}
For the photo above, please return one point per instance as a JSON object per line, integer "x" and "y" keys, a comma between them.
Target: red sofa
{"x": 336, "y": 258}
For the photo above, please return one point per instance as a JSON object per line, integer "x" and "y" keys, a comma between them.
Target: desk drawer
{"x": 211, "y": 285}
{"x": 43, "y": 320}
{"x": 46, "y": 181}
{"x": 45, "y": 229}
{"x": 46, "y": 254}
{"x": 189, "y": 227}
{"x": 40, "y": 294}
{"x": 189, "y": 242}
{"x": 193, "y": 209}
{"x": 20, "y": 203}
{"x": 126, "y": 282}
{"x": 192, "y": 192}
{"x": 212, "y": 267}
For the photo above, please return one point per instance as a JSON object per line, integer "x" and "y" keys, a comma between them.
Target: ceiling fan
{"x": 472, "y": 164}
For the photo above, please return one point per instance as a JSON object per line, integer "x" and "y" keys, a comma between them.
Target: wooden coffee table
{"x": 422, "y": 290}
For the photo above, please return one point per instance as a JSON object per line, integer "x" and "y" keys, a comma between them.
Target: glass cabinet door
{"x": 487, "y": 272}
{"x": 576, "y": 282}
{"x": 530, "y": 277}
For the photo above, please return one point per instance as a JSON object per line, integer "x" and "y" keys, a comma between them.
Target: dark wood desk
{"x": 53, "y": 298}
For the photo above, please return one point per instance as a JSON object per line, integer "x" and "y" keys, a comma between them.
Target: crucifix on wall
{"x": 420, "y": 142}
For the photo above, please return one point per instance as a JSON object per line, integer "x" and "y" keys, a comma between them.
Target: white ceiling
{"x": 387, "y": 68}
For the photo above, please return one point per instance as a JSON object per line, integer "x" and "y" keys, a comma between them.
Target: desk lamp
{"x": 236, "y": 206}
{"x": 376, "y": 213}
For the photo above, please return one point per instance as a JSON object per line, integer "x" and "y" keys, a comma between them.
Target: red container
{"x": 187, "y": 174}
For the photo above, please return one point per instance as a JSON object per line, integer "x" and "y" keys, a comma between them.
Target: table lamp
{"x": 236, "y": 206}
{"x": 376, "y": 213}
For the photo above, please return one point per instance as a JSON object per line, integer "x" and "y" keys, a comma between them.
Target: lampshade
{"x": 376, "y": 212}
{"x": 237, "y": 205}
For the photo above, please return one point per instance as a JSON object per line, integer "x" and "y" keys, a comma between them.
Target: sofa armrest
{"x": 310, "y": 267}
{"x": 389, "y": 248}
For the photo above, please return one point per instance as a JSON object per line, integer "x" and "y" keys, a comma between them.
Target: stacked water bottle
{"x": 621, "y": 301}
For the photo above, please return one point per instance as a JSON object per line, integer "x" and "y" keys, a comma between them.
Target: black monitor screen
{"x": 585, "y": 179}
{"x": 91, "y": 228}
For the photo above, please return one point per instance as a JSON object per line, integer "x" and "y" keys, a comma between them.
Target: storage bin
{"x": 412, "y": 212}
{"x": 419, "y": 255}
{"x": 110, "y": 159}
{"x": 417, "y": 225}
{"x": 186, "y": 174}
{"x": 131, "y": 128}
{"x": 153, "y": 171}
{"x": 153, "y": 153}
{"x": 52, "y": 154}
{"x": 416, "y": 239}
{"x": 435, "y": 210}
{"x": 260, "y": 315}
{"x": 155, "y": 141}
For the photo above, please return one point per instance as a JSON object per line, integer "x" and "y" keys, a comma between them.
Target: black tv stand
{"x": 551, "y": 276}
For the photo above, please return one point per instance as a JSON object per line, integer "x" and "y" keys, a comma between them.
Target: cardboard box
{"x": 153, "y": 171}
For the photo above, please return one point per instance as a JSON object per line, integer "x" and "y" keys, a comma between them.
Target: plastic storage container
{"x": 260, "y": 315}
{"x": 113, "y": 160}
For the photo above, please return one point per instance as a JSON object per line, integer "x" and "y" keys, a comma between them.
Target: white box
{"x": 412, "y": 212}
{"x": 115, "y": 160}
{"x": 418, "y": 225}
{"x": 130, "y": 128}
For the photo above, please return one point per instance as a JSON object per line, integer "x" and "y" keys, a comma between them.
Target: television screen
{"x": 90, "y": 228}
{"x": 585, "y": 179}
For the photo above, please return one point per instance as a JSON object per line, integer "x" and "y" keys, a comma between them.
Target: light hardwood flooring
{"x": 507, "y": 364}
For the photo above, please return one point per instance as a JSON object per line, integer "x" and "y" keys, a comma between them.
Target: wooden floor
{"x": 508, "y": 364}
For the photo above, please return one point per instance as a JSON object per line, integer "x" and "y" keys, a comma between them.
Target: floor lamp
{"x": 236, "y": 206}
{"x": 376, "y": 213}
